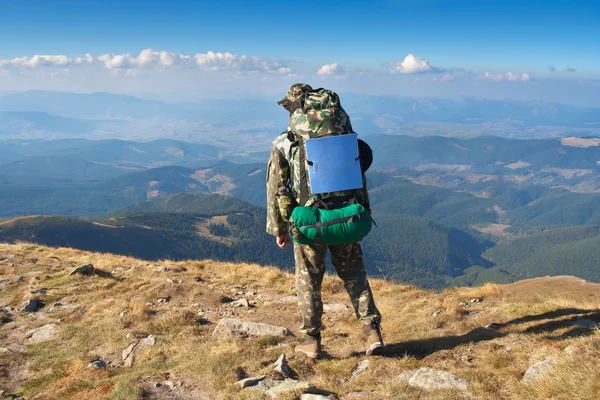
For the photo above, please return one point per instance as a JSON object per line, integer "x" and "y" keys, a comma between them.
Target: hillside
{"x": 401, "y": 248}
{"x": 211, "y": 227}
{"x": 164, "y": 314}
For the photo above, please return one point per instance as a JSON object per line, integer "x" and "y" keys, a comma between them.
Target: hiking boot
{"x": 310, "y": 347}
{"x": 374, "y": 343}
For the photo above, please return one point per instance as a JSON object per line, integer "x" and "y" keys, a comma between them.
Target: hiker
{"x": 287, "y": 188}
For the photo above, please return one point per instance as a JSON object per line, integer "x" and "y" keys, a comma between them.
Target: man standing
{"x": 286, "y": 180}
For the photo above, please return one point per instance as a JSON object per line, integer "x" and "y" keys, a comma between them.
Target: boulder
{"x": 42, "y": 334}
{"x": 252, "y": 381}
{"x": 236, "y": 328}
{"x": 308, "y": 396}
{"x": 431, "y": 379}
{"x": 360, "y": 369}
{"x": 87, "y": 269}
{"x": 538, "y": 371}
{"x": 32, "y": 305}
{"x": 129, "y": 355}
{"x": 99, "y": 364}
{"x": 288, "y": 386}
{"x": 282, "y": 366}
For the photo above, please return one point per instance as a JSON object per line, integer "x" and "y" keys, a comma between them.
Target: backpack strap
{"x": 304, "y": 191}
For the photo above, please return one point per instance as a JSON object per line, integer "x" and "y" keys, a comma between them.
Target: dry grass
{"x": 529, "y": 328}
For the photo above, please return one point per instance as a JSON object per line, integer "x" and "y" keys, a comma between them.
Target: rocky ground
{"x": 78, "y": 325}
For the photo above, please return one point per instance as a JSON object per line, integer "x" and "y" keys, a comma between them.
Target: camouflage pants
{"x": 349, "y": 265}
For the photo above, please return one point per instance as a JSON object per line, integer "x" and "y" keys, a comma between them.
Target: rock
{"x": 164, "y": 299}
{"x": 54, "y": 259}
{"x": 335, "y": 308}
{"x": 308, "y": 396}
{"x": 288, "y": 386}
{"x": 42, "y": 334}
{"x": 129, "y": 354}
{"x": 99, "y": 364}
{"x": 162, "y": 269}
{"x": 493, "y": 326}
{"x": 170, "y": 384}
{"x": 253, "y": 381}
{"x": 17, "y": 348}
{"x": 234, "y": 327}
{"x": 365, "y": 396}
{"x": 123, "y": 313}
{"x": 84, "y": 270}
{"x": 131, "y": 336}
{"x": 32, "y": 305}
{"x": 282, "y": 366}
{"x": 404, "y": 377}
{"x": 360, "y": 369}
{"x": 430, "y": 379}
{"x": 571, "y": 349}
{"x": 284, "y": 300}
{"x": 538, "y": 371}
{"x": 475, "y": 301}
{"x": 437, "y": 313}
{"x": 6, "y": 257}
{"x": 586, "y": 323}
{"x": 20, "y": 278}
{"x": 241, "y": 303}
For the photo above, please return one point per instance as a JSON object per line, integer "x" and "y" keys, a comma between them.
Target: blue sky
{"x": 546, "y": 40}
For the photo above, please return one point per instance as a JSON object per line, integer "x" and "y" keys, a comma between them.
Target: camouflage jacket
{"x": 322, "y": 115}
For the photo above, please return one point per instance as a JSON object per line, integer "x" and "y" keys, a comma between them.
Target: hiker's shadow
{"x": 582, "y": 323}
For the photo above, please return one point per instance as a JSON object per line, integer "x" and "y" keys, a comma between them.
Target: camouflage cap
{"x": 292, "y": 99}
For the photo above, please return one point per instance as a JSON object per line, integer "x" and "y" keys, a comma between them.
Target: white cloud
{"x": 509, "y": 76}
{"x": 412, "y": 65}
{"x": 447, "y": 78}
{"x": 151, "y": 59}
{"x": 333, "y": 69}
{"x": 37, "y": 61}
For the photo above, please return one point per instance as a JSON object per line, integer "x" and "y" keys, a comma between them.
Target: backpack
{"x": 331, "y": 218}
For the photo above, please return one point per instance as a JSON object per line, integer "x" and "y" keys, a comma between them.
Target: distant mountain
{"x": 569, "y": 250}
{"x": 19, "y": 123}
{"x": 88, "y": 106}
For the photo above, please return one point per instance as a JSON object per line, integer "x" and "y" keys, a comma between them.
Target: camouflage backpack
{"x": 316, "y": 113}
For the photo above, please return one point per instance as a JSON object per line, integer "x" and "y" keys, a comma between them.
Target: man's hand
{"x": 283, "y": 241}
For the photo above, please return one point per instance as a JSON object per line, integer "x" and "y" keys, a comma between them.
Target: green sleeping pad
{"x": 336, "y": 227}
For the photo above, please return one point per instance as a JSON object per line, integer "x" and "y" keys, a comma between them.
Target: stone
{"x": 284, "y": 300}
{"x": 17, "y": 348}
{"x": 404, "y": 377}
{"x": 164, "y": 299}
{"x": 252, "y": 381}
{"x": 241, "y": 303}
{"x": 42, "y": 334}
{"x": 365, "y": 396}
{"x": 282, "y": 366}
{"x": 6, "y": 257}
{"x": 99, "y": 364}
{"x": 123, "y": 313}
{"x": 571, "y": 349}
{"x": 131, "y": 336}
{"x": 236, "y": 328}
{"x": 87, "y": 269}
{"x": 335, "y": 308}
{"x": 538, "y": 371}
{"x": 430, "y": 379}
{"x": 288, "y": 386}
{"x": 476, "y": 301}
{"x": 130, "y": 353}
{"x": 162, "y": 269}
{"x": 360, "y": 368}
{"x": 437, "y": 313}
{"x": 308, "y": 396}
{"x": 54, "y": 259}
{"x": 32, "y": 305}
{"x": 20, "y": 278}
{"x": 493, "y": 326}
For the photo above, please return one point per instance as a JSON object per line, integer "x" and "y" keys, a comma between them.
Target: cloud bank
{"x": 412, "y": 65}
{"x": 509, "y": 76}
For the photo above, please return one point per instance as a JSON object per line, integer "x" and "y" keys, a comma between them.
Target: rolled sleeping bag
{"x": 332, "y": 227}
